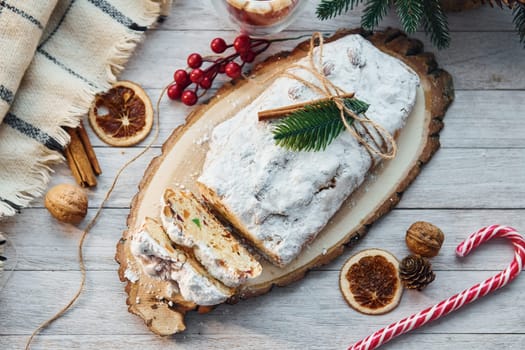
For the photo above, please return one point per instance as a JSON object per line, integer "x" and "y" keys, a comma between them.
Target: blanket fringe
{"x": 123, "y": 50}
{"x": 39, "y": 177}
{"x": 120, "y": 54}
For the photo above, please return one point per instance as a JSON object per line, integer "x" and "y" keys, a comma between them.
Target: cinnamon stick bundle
{"x": 81, "y": 157}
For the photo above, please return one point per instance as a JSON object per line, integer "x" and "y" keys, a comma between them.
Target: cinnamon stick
{"x": 284, "y": 111}
{"x": 73, "y": 166}
{"x": 78, "y": 161}
{"x": 90, "y": 152}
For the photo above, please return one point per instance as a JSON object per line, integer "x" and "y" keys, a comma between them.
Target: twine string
{"x": 91, "y": 224}
{"x": 364, "y": 130}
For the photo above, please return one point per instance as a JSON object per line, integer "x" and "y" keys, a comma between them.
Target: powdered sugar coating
{"x": 285, "y": 198}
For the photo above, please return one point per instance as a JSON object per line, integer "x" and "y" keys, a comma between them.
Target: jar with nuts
{"x": 424, "y": 238}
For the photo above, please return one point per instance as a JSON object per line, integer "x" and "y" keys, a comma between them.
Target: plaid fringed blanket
{"x": 55, "y": 55}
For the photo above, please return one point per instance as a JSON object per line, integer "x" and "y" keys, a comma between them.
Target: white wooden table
{"x": 477, "y": 178}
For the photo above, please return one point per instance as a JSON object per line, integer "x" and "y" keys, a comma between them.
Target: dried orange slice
{"x": 122, "y": 116}
{"x": 370, "y": 282}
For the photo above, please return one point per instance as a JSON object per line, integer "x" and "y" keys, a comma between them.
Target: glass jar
{"x": 259, "y": 17}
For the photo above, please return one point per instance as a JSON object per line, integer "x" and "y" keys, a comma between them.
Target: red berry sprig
{"x": 193, "y": 82}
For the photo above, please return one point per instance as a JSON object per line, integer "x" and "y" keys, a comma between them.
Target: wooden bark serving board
{"x": 184, "y": 152}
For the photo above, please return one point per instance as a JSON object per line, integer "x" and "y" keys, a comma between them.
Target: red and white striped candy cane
{"x": 465, "y": 297}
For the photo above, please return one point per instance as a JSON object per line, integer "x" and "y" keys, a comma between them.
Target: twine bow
{"x": 376, "y": 139}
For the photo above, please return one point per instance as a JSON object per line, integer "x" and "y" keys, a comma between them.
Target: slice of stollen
{"x": 188, "y": 223}
{"x": 161, "y": 260}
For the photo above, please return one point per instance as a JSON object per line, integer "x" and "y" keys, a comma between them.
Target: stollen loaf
{"x": 279, "y": 199}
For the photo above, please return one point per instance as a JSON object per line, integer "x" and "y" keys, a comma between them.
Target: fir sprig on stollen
{"x": 315, "y": 126}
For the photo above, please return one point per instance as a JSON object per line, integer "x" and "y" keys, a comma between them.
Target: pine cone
{"x": 416, "y": 272}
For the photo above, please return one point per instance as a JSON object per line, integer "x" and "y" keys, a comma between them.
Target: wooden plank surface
{"x": 42, "y": 254}
{"x": 288, "y": 308}
{"x": 477, "y": 178}
{"x": 498, "y": 173}
{"x": 256, "y": 341}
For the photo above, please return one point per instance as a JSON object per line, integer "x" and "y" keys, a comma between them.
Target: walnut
{"x": 67, "y": 203}
{"x": 424, "y": 239}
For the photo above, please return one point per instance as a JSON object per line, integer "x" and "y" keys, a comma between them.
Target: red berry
{"x": 189, "y": 98}
{"x": 218, "y": 45}
{"x": 196, "y": 75}
{"x": 206, "y": 82}
{"x": 233, "y": 70}
{"x": 242, "y": 43}
{"x": 194, "y": 60}
{"x": 248, "y": 56}
{"x": 175, "y": 91}
{"x": 181, "y": 77}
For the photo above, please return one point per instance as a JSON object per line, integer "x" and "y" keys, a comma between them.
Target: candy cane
{"x": 465, "y": 297}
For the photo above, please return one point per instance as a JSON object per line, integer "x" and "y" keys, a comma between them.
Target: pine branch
{"x": 435, "y": 23}
{"x": 374, "y": 12}
{"x": 314, "y": 127}
{"x": 310, "y": 129}
{"x": 410, "y": 13}
{"x": 519, "y": 21}
{"x": 331, "y": 8}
